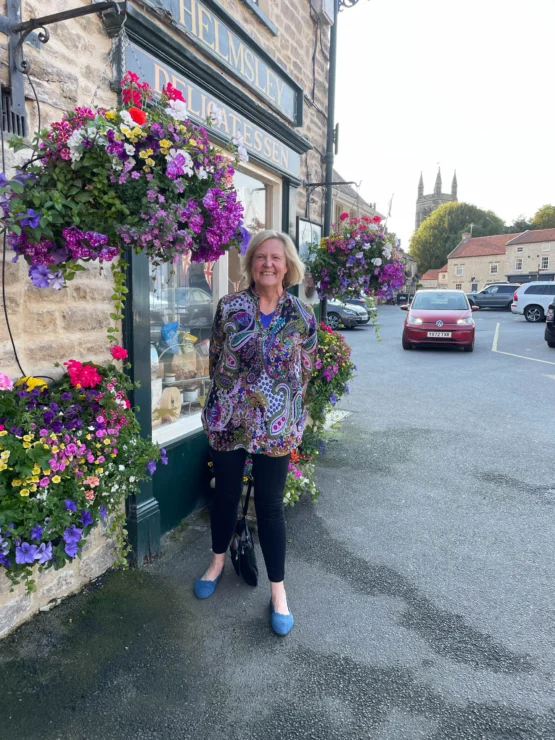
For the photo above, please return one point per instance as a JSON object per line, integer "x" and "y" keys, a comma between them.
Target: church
{"x": 426, "y": 204}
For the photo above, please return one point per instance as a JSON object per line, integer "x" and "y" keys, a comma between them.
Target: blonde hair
{"x": 295, "y": 267}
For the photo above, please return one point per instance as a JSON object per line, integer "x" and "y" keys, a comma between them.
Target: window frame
{"x": 546, "y": 247}
{"x": 546, "y": 265}
{"x": 520, "y": 250}
{"x": 518, "y": 267}
{"x": 491, "y": 266}
{"x": 458, "y": 286}
{"x": 459, "y": 270}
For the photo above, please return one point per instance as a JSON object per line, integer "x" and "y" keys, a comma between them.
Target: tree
{"x": 544, "y": 218}
{"x": 520, "y": 223}
{"x": 442, "y": 231}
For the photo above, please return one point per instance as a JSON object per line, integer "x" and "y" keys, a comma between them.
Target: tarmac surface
{"x": 422, "y": 582}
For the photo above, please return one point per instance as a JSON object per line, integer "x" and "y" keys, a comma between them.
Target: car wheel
{"x": 551, "y": 344}
{"x": 469, "y": 347}
{"x": 534, "y": 314}
{"x": 406, "y": 345}
{"x": 333, "y": 320}
{"x": 508, "y": 306}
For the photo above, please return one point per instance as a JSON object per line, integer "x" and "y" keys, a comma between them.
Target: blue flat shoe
{"x": 282, "y": 624}
{"x": 204, "y": 589}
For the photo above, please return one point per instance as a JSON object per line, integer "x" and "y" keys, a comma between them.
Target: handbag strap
{"x": 247, "y": 498}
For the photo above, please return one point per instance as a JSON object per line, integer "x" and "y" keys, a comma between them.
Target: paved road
{"x": 422, "y": 582}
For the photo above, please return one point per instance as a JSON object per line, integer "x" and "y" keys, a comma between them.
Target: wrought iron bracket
{"x": 20, "y": 32}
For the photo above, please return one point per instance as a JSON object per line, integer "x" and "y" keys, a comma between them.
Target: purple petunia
{"x": 25, "y": 553}
{"x": 70, "y": 505}
{"x": 71, "y": 549}
{"x": 39, "y": 275}
{"x": 72, "y": 534}
{"x": 86, "y": 518}
{"x": 151, "y": 467}
{"x": 333, "y": 398}
{"x": 102, "y": 511}
{"x": 36, "y": 532}
{"x": 31, "y": 219}
{"x": 44, "y": 553}
{"x": 163, "y": 456}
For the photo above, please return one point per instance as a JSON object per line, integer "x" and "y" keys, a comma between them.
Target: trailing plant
{"x": 333, "y": 370}
{"x": 357, "y": 257}
{"x": 69, "y": 455}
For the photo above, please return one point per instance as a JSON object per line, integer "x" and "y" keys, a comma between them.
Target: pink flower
{"x": 118, "y": 353}
{"x": 5, "y": 382}
{"x": 89, "y": 495}
{"x": 44, "y": 482}
{"x": 92, "y": 481}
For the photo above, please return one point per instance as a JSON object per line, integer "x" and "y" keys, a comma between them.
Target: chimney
{"x": 466, "y": 236}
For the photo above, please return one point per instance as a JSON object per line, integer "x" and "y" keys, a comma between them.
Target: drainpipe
{"x": 330, "y": 140}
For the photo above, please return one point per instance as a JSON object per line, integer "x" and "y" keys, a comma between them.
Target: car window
{"x": 443, "y": 300}
{"x": 506, "y": 289}
{"x": 549, "y": 289}
{"x": 533, "y": 290}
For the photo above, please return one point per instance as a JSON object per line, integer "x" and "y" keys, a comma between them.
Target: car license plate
{"x": 439, "y": 334}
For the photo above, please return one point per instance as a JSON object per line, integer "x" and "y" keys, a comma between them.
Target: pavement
{"x": 421, "y": 582}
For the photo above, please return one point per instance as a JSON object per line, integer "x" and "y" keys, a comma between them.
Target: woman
{"x": 261, "y": 357}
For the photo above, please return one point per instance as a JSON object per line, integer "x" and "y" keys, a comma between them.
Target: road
{"x": 422, "y": 582}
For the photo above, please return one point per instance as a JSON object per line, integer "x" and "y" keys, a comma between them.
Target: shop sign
{"x": 229, "y": 49}
{"x": 258, "y": 142}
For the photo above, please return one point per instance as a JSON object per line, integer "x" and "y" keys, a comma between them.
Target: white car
{"x": 531, "y": 300}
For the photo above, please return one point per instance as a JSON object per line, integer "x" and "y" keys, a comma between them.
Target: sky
{"x": 466, "y": 85}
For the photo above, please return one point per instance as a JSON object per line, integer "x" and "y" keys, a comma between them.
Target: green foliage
{"x": 544, "y": 218}
{"x": 441, "y": 232}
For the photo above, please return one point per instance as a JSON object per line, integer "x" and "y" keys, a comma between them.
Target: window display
{"x": 181, "y": 315}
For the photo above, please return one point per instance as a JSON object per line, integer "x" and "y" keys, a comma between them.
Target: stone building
{"x": 477, "y": 261}
{"x": 530, "y": 256}
{"x": 429, "y": 279}
{"x": 346, "y": 199}
{"x": 259, "y": 62}
{"x": 426, "y": 204}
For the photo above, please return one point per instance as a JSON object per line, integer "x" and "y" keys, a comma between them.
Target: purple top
{"x": 266, "y": 319}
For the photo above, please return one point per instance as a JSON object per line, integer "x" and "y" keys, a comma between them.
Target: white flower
{"x": 238, "y": 138}
{"x": 387, "y": 251}
{"x": 201, "y": 173}
{"x": 126, "y": 118}
{"x": 243, "y": 154}
{"x": 188, "y": 165}
{"x": 216, "y": 115}
{"x": 239, "y": 142}
{"x": 130, "y": 149}
{"x": 121, "y": 467}
{"x": 131, "y": 479}
{"x": 376, "y": 261}
{"x": 177, "y": 109}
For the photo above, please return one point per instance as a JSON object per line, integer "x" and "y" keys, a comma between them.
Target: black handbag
{"x": 241, "y": 547}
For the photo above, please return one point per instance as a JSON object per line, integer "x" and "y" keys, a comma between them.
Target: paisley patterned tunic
{"x": 258, "y": 375}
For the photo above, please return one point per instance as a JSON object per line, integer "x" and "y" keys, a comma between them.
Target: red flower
{"x": 118, "y": 353}
{"x": 127, "y": 403}
{"x": 82, "y": 376}
{"x": 130, "y": 77}
{"x": 377, "y": 219}
{"x": 172, "y": 93}
{"x": 138, "y": 115}
{"x": 344, "y": 216}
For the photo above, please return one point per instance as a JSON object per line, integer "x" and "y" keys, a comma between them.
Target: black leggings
{"x": 269, "y": 475}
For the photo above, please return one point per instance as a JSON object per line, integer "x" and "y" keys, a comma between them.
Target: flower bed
{"x": 69, "y": 455}
{"x": 357, "y": 257}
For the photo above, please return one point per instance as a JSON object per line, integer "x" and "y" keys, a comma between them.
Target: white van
{"x": 532, "y": 299}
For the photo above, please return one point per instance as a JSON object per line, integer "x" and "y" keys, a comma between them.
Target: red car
{"x": 439, "y": 317}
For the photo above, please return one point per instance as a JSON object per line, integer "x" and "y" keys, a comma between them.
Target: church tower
{"x": 426, "y": 204}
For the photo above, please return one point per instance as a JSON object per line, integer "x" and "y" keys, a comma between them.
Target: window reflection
{"x": 181, "y": 315}
{"x": 253, "y": 194}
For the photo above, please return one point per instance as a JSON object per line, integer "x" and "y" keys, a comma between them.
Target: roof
{"x": 430, "y": 275}
{"x": 481, "y": 246}
{"x": 444, "y": 268}
{"x": 531, "y": 237}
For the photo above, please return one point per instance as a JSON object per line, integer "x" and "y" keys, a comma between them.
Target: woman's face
{"x": 269, "y": 264}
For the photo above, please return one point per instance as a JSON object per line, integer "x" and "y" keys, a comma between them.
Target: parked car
{"x": 532, "y": 300}
{"x": 403, "y": 298}
{"x": 192, "y": 306}
{"x": 439, "y": 317}
{"x": 550, "y": 325}
{"x": 495, "y": 295}
{"x": 347, "y": 315}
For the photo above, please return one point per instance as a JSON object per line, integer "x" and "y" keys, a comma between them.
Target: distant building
{"x": 429, "y": 279}
{"x": 426, "y": 204}
{"x": 443, "y": 277}
{"x": 530, "y": 256}
{"x": 477, "y": 261}
{"x": 347, "y": 200}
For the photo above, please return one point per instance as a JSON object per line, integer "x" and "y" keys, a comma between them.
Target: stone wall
{"x": 477, "y": 267}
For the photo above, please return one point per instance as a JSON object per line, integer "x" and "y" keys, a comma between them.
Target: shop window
{"x": 254, "y": 194}
{"x": 181, "y": 315}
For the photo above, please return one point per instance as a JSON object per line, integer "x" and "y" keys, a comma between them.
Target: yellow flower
{"x": 81, "y": 460}
{"x": 34, "y": 487}
{"x": 16, "y": 482}
{"x": 192, "y": 142}
{"x": 143, "y": 154}
{"x": 113, "y": 454}
{"x": 56, "y": 479}
{"x": 125, "y": 130}
{"x": 36, "y": 470}
{"x": 100, "y": 470}
{"x": 55, "y": 449}
{"x": 26, "y": 446}
{"x": 47, "y": 472}
{"x": 27, "y": 438}
{"x": 24, "y": 492}
{"x": 31, "y": 382}
{"x": 110, "y": 115}
{"x": 3, "y": 466}
{"x": 62, "y": 447}
{"x": 181, "y": 128}
{"x": 165, "y": 144}
{"x": 3, "y": 433}
{"x": 88, "y": 436}
{"x": 137, "y": 131}
{"x": 35, "y": 479}
{"x": 150, "y": 162}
